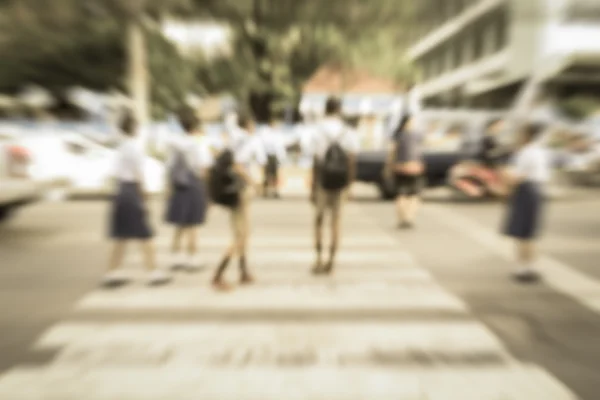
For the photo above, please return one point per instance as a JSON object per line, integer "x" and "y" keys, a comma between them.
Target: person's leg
{"x": 156, "y": 275}
{"x": 147, "y": 247}
{"x": 192, "y": 247}
{"x": 400, "y": 209}
{"x": 242, "y": 233}
{"x": 320, "y": 207}
{"x": 230, "y": 252}
{"x": 336, "y": 207}
{"x": 113, "y": 274}
{"x": 176, "y": 252}
{"x": 117, "y": 254}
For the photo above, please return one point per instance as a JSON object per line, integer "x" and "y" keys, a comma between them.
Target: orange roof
{"x": 330, "y": 79}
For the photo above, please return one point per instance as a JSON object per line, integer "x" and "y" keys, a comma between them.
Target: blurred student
{"x": 231, "y": 187}
{"x": 189, "y": 160}
{"x": 530, "y": 171}
{"x": 405, "y": 166}
{"x": 274, "y": 148}
{"x": 491, "y": 153}
{"x": 335, "y": 146}
{"x": 129, "y": 216}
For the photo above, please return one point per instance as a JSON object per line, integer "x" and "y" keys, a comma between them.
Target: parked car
{"x": 18, "y": 184}
{"x": 84, "y": 164}
{"x": 456, "y": 140}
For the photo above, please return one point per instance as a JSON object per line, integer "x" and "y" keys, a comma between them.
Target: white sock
{"x": 191, "y": 260}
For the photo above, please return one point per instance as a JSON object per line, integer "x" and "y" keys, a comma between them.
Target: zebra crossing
{"x": 380, "y": 328}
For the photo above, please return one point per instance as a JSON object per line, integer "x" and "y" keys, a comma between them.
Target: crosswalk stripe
{"x": 293, "y": 298}
{"x": 150, "y": 383}
{"x": 303, "y": 337}
{"x": 444, "y": 342}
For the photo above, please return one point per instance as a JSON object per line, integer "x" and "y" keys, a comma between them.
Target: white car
{"x": 17, "y": 185}
{"x": 84, "y": 164}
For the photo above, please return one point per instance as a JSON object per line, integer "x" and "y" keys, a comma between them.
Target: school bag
{"x": 181, "y": 174}
{"x": 335, "y": 167}
{"x": 225, "y": 185}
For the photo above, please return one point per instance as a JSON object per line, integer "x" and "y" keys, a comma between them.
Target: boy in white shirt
{"x": 334, "y": 148}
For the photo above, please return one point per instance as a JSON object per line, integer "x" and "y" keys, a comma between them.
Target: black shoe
{"x": 527, "y": 276}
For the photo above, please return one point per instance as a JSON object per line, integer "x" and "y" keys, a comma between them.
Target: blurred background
{"x": 69, "y": 69}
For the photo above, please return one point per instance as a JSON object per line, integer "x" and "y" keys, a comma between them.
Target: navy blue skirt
{"x": 187, "y": 205}
{"x": 524, "y": 211}
{"x": 128, "y": 218}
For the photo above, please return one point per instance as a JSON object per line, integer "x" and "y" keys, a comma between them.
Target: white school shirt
{"x": 332, "y": 130}
{"x": 532, "y": 163}
{"x": 248, "y": 150}
{"x": 195, "y": 149}
{"x": 272, "y": 143}
{"x": 129, "y": 161}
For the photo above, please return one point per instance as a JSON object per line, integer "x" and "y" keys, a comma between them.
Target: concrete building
{"x": 478, "y": 53}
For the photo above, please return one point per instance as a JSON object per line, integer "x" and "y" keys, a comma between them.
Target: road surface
{"x": 425, "y": 314}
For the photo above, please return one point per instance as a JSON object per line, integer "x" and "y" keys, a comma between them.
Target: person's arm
{"x": 388, "y": 166}
{"x": 139, "y": 160}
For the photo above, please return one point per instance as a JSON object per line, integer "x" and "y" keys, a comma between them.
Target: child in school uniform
{"x": 129, "y": 216}
{"x": 189, "y": 161}
{"x": 240, "y": 156}
{"x": 529, "y": 172}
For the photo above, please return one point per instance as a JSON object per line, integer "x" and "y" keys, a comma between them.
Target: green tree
{"x": 278, "y": 44}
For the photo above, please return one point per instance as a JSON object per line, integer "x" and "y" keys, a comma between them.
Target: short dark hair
{"x": 333, "y": 106}
{"x": 244, "y": 120}
{"x": 532, "y": 131}
{"x": 128, "y": 124}
{"x": 188, "y": 119}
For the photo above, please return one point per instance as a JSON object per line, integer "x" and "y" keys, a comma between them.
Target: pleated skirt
{"x": 524, "y": 214}
{"x": 128, "y": 216}
{"x": 187, "y": 205}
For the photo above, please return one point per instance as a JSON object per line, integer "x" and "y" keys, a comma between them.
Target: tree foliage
{"x": 279, "y": 44}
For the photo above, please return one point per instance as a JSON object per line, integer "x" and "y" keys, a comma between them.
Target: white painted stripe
{"x": 91, "y": 345}
{"x": 313, "y": 297}
{"x": 111, "y": 383}
{"x": 560, "y": 276}
{"x": 288, "y": 240}
{"x": 305, "y": 257}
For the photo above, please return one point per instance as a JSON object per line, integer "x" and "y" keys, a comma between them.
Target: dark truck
{"x": 437, "y": 163}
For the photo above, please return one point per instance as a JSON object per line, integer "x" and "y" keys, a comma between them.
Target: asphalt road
{"x": 428, "y": 313}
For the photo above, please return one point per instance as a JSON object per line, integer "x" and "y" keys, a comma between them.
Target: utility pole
{"x": 138, "y": 68}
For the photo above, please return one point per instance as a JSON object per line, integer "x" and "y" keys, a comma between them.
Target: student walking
{"x": 129, "y": 216}
{"x": 335, "y": 146}
{"x": 530, "y": 171}
{"x": 189, "y": 160}
{"x": 231, "y": 187}
{"x": 405, "y": 167}
{"x": 276, "y": 154}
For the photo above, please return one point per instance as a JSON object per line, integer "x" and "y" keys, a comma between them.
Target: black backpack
{"x": 335, "y": 168}
{"x": 225, "y": 185}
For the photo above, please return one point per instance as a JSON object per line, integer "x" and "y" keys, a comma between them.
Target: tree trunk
{"x": 138, "y": 75}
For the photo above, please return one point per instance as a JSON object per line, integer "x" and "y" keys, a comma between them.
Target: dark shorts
{"x": 271, "y": 169}
{"x": 408, "y": 185}
{"x": 128, "y": 218}
{"x": 524, "y": 212}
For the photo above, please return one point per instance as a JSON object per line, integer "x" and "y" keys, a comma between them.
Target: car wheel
{"x": 386, "y": 190}
{"x": 6, "y": 213}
